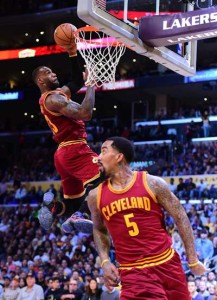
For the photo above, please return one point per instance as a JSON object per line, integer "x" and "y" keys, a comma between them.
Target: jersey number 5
{"x": 135, "y": 230}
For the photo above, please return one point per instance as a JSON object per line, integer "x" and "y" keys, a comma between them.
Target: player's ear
{"x": 40, "y": 80}
{"x": 120, "y": 157}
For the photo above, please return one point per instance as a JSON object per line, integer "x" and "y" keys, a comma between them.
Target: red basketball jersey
{"x": 135, "y": 221}
{"x": 63, "y": 128}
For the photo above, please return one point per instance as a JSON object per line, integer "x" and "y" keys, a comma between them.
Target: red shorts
{"x": 77, "y": 165}
{"x": 164, "y": 282}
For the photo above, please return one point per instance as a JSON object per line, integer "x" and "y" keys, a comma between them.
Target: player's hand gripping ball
{"x": 64, "y": 36}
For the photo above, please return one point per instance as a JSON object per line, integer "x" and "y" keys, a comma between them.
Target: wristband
{"x": 73, "y": 55}
{"x": 104, "y": 261}
{"x": 194, "y": 264}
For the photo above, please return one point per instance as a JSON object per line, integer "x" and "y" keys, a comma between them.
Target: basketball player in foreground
{"x": 75, "y": 162}
{"x": 129, "y": 205}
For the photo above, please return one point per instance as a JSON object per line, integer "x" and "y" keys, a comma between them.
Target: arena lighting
{"x": 204, "y": 139}
{"x": 205, "y": 75}
{"x": 11, "y": 96}
{"x": 174, "y": 121}
{"x": 152, "y": 142}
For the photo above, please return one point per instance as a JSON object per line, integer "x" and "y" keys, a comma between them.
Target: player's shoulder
{"x": 56, "y": 95}
{"x": 93, "y": 193}
{"x": 155, "y": 181}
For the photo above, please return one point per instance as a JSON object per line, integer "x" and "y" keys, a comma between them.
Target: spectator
{"x": 31, "y": 291}
{"x": 202, "y": 189}
{"x": 73, "y": 290}
{"x": 49, "y": 282}
{"x": 40, "y": 279}
{"x": 92, "y": 292}
{"x": 13, "y": 292}
{"x": 193, "y": 291}
{"x": 191, "y": 188}
{"x": 7, "y": 282}
{"x": 66, "y": 269}
{"x": 211, "y": 279}
{"x": 52, "y": 189}
{"x": 203, "y": 290}
{"x": 1, "y": 291}
{"x": 177, "y": 243}
{"x": 213, "y": 217}
{"x": 211, "y": 290}
{"x": 168, "y": 172}
{"x": 206, "y": 124}
{"x": 204, "y": 247}
{"x": 181, "y": 189}
{"x": 55, "y": 291}
{"x": 20, "y": 194}
{"x": 111, "y": 293}
{"x": 172, "y": 186}
{"x": 3, "y": 190}
{"x": 75, "y": 276}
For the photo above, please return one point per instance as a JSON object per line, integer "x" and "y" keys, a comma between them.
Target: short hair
{"x": 124, "y": 146}
{"x": 55, "y": 279}
{"x": 192, "y": 280}
{"x": 35, "y": 73}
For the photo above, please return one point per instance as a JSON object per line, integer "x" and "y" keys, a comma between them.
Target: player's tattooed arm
{"x": 100, "y": 232}
{"x": 173, "y": 206}
{"x": 58, "y": 103}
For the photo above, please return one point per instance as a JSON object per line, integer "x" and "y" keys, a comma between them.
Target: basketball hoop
{"x": 101, "y": 54}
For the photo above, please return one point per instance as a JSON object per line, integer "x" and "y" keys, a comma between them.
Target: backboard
{"x": 120, "y": 19}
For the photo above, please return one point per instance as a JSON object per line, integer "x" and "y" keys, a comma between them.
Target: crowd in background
{"x": 55, "y": 261}
{"x": 33, "y": 160}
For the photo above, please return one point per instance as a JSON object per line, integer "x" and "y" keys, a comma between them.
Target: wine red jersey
{"x": 63, "y": 128}
{"x": 135, "y": 221}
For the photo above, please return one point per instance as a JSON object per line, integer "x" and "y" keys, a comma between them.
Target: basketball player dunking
{"x": 75, "y": 162}
{"x": 129, "y": 205}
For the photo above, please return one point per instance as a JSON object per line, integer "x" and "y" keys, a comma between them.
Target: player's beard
{"x": 54, "y": 85}
{"x": 103, "y": 174}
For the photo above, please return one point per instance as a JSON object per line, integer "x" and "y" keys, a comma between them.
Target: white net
{"x": 101, "y": 54}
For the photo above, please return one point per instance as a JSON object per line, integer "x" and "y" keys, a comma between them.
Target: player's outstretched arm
{"x": 102, "y": 241}
{"x": 77, "y": 80}
{"x": 173, "y": 206}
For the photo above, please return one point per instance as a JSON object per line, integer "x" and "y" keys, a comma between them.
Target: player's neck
{"x": 121, "y": 178}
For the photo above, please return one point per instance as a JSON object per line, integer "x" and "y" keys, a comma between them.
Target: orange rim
{"x": 113, "y": 43}
{"x": 86, "y": 28}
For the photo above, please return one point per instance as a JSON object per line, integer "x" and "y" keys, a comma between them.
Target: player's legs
{"x": 77, "y": 166}
{"x": 80, "y": 218}
{"x": 141, "y": 284}
{"x": 166, "y": 281}
{"x": 174, "y": 279}
{"x": 76, "y": 170}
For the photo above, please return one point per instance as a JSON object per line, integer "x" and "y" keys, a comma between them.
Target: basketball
{"x": 64, "y": 35}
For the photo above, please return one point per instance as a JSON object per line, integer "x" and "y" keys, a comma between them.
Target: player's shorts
{"x": 77, "y": 166}
{"x": 163, "y": 282}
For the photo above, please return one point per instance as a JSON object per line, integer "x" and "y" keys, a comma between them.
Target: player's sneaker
{"x": 79, "y": 222}
{"x": 45, "y": 215}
